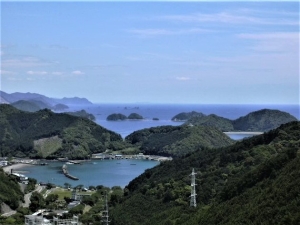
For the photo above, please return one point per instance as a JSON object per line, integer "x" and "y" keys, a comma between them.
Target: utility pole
{"x": 105, "y": 213}
{"x": 193, "y": 189}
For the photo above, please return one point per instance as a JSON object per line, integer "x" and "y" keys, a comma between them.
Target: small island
{"x": 119, "y": 116}
{"x": 116, "y": 117}
{"x": 60, "y": 107}
{"x": 135, "y": 116}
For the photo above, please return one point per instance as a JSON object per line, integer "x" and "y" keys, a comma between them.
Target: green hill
{"x": 26, "y": 106}
{"x": 83, "y": 114}
{"x": 262, "y": 120}
{"x": 25, "y": 134}
{"x": 187, "y": 115}
{"x": 10, "y": 192}
{"x": 177, "y": 141}
{"x": 212, "y": 121}
{"x": 254, "y": 181}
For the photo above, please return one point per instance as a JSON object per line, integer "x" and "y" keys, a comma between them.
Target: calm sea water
{"x": 120, "y": 173}
{"x": 92, "y": 173}
{"x": 165, "y": 112}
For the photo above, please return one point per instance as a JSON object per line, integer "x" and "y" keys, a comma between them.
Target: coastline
{"x": 16, "y": 166}
{"x": 244, "y": 132}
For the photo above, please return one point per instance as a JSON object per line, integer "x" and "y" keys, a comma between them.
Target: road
{"x": 26, "y": 199}
{"x": 27, "y": 196}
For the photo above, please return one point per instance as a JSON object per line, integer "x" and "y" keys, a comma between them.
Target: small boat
{"x": 132, "y": 164}
{"x": 69, "y": 163}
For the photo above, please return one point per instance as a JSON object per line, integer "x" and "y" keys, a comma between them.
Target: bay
{"x": 119, "y": 173}
{"x": 91, "y": 173}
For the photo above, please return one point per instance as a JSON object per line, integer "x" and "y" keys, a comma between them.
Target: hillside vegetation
{"x": 50, "y": 135}
{"x": 10, "y": 192}
{"x": 177, "y": 141}
{"x": 26, "y": 106}
{"x": 261, "y": 120}
{"x": 254, "y": 181}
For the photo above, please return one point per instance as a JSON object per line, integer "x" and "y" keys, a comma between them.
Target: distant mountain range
{"x": 33, "y": 102}
{"x": 261, "y": 120}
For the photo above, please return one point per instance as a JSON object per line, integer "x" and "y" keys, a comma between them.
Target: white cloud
{"x": 239, "y": 16}
{"x": 161, "y": 32}
{"x": 57, "y": 73}
{"x": 183, "y": 78}
{"x": 6, "y": 72}
{"x": 24, "y": 62}
{"x": 284, "y": 42}
{"x": 77, "y": 72}
{"x": 14, "y": 79}
{"x": 30, "y": 72}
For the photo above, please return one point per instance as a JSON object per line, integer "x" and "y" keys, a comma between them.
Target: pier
{"x": 66, "y": 173}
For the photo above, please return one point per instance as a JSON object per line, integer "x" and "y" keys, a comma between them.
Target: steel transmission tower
{"x": 193, "y": 189}
{"x": 105, "y": 213}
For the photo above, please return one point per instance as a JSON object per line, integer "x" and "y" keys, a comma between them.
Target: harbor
{"x": 89, "y": 173}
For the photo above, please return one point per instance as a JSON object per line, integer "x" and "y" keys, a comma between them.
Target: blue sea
{"x": 120, "y": 172}
{"x": 165, "y": 112}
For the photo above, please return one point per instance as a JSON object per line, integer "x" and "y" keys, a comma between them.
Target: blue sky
{"x": 156, "y": 52}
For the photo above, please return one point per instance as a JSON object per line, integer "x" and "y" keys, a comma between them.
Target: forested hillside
{"x": 10, "y": 192}
{"x": 46, "y": 134}
{"x": 261, "y": 120}
{"x": 177, "y": 141}
{"x": 254, "y": 181}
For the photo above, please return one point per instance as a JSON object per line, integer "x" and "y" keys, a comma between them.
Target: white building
{"x": 78, "y": 196}
{"x": 36, "y": 220}
{"x": 39, "y": 220}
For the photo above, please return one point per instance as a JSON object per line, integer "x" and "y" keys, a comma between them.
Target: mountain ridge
{"x": 16, "y": 96}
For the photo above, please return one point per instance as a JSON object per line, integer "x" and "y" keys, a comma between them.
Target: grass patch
{"x": 47, "y": 146}
{"x": 86, "y": 208}
{"x": 62, "y": 193}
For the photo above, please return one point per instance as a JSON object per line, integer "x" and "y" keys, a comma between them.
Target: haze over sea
{"x": 120, "y": 172}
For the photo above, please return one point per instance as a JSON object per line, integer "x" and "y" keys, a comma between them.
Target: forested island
{"x": 119, "y": 116}
{"x": 261, "y": 120}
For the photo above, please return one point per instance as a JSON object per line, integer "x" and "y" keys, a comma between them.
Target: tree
{"x": 67, "y": 185}
{"x": 51, "y": 198}
{"x": 36, "y": 201}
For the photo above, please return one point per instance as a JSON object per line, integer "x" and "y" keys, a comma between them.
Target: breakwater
{"x": 66, "y": 173}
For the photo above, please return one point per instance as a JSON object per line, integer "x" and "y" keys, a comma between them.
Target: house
{"x": 36, "y": 220}
{"x": 78, "y": 196}
{"x": 3, "y": 163}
